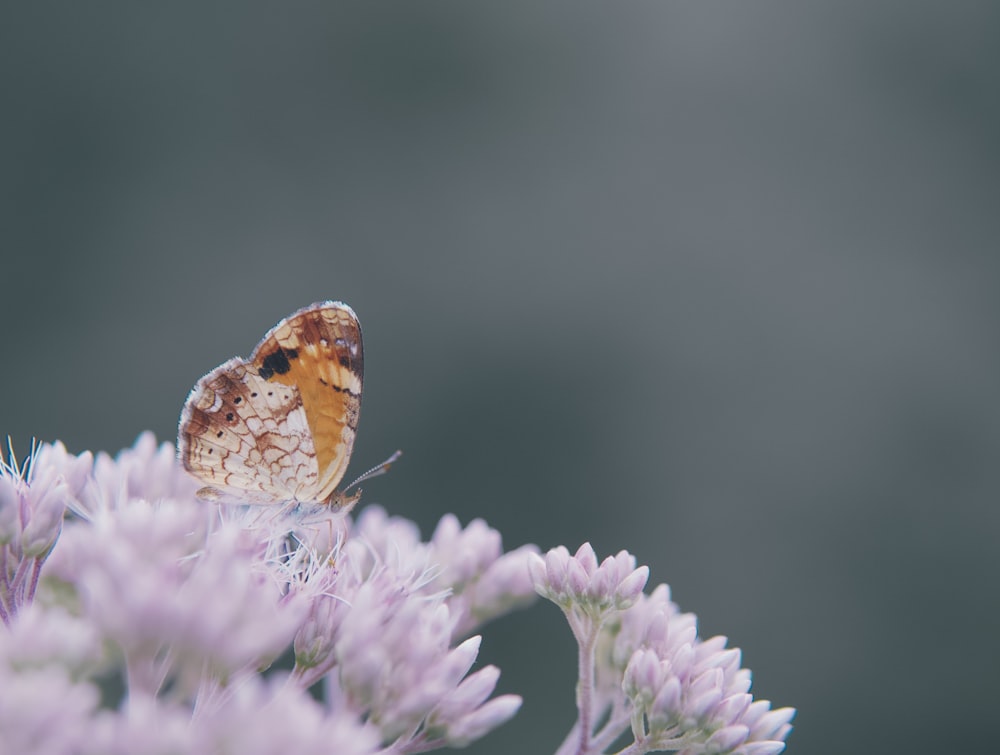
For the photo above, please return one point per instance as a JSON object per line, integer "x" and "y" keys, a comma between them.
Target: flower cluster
{"x": 643, "y": 666}
{"x": 137, "y": 618}
{"x": 33, "y": 499}
{"x": 157, "y": 620}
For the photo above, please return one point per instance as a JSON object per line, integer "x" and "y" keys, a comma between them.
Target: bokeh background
{"x": 713, "y": 282}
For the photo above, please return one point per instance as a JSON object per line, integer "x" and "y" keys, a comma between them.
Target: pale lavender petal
{"x": 50, "y": 636}
{"x": 710, "y": 647}
{"x": 631, "y": 587}
{"x": 495, "y": 713}
{"x": 643, "y": 676}
{"x": 314, "y": 641}
{"x": 625, "y": 563}
{"x": 43, "y": 712}
{"x": 762, "y": 748}
{"x": 536, "y": 567}
{"x": 586, "y": 557}
{"x": 666, "y": 707}
{"x": 458, "y": 661}
{"x": 739, "y": 682}
{"x": 730, "y": 710}
{"x": 463, "y": 554}
{"x": 279, "y": 718}
{"x": 601, "y": 585}
{"x": 577, "y": 578}
{"x": 468, "y": 696}
{"x": 726, "y": 739}
{"x": 45, "y": 520}
{"x": 772, "y": 724}
{"x": 145, "y": 725}
{"x": 75, "y": 470}
{"x": 507, "y": 583}
{"x": 557, "y": 563}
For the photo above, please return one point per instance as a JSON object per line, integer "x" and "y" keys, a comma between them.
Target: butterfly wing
{"x": 319, "y": 352}
{"x": 281, "y": 425}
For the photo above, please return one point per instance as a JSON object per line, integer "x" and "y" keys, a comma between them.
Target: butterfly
{"x": 279, "y": 426}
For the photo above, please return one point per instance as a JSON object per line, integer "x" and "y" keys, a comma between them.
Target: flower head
{"x": 387, "y": 626}
{"x": 33, "y": 499}
{"x": 643, "y": 665}
{"x": 580, "y": 583}
{"x": 113, "y": 570}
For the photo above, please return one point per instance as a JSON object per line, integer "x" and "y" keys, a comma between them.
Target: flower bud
{"x": 44, "y": 520}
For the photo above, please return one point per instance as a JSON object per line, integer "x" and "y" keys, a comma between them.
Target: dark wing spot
{"x": 237, "y": 400}
{"x": 218, "y": 434}
{"x": 253, "y": 395}
{"x": 342, "y": 389}
{"x": 277, "y": 362}
{"x": 323, "y": 381}
{"x": 229, "y": 416}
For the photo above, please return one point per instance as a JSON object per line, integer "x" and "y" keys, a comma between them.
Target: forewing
{"x": 318, "y": 351}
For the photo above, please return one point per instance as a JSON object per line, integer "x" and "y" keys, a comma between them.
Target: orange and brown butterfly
{"x": 279, "y": 426}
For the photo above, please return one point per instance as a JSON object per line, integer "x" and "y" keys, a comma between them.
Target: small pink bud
{"x": 642, "y": 676}
{"x": 45, "y": 522}
{"x": 681, "y": 660}
{"x": 770, "y": 725}
{"x": 497, "y": 711}
{"x": 707, "y": 680}
{"x": 762, "y": 748}
{"x": 577, "y": 578}
{"x": 726, "y": 739}
{"x": 601, "y": 585}
{"x": 557, "y": 563}
{"x": 539, "y": 576}
{"x": 698, "y": 705}
{"x": 631, "y": 587}
{"x": 458, "y": 661}
{"x": 469, "y": 695}
{"x": 710, "y": 647}
{"x": 587, "y": 558}
{"x": 731, "y": 709}
{"x": 666, "y": 705}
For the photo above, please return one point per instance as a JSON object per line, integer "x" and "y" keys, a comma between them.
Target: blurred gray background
{"x": 716, "y": 283}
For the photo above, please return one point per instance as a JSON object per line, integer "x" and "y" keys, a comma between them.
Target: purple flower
{"x": 111, "y": 566}
{"x": 51, "y": 636}
{"x": 259, "y": 716}
{"x": 47, "y": 705}
{"x": 195, "y": 600}
{"x": 44, "y": 711}
{"x": 642, "y": 666}
{"x": 395, "y": 660}
{"x": 579, "y": 584}
{"x": 33, "y": 499}
{"x": 176, "y": 594}
{"x": 483, "y": 581}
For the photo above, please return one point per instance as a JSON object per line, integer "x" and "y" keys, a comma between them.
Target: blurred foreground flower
{"x": 140, "y": 619}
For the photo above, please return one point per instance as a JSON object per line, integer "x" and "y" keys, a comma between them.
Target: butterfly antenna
{"x": 375, "y": 471}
